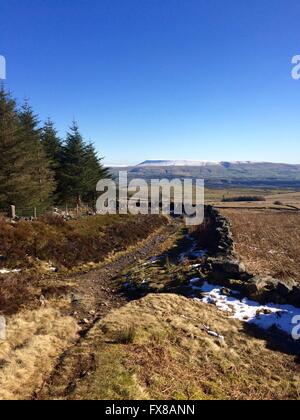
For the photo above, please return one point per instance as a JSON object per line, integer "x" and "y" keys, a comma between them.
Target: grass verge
{"x": 173, "y": 356}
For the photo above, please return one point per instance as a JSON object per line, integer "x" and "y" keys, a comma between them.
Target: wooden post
{"x": 13, "y": 212}
{"x": 34, "y": 213}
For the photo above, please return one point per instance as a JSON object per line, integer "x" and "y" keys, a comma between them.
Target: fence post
{"x": 13, "y": 212}
{"x": 34, "y": 213}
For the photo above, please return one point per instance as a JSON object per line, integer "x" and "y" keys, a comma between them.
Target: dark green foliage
{"x": 13, "y": 177}
{"x": 93, "y": 172}
{"x": 25, "y": 179}
{"x": 243, "y": 198}
{"x": 37, "y": 168}
{"x": 53, "y": 147}
{"x": 73, "y": 160}
{"x": 52, "y": 144}
{"x": 42, "y": 177}
{"x": 81, "y": 169}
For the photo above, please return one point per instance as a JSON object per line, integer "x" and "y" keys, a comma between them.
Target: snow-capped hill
{"x": 177, "y": 163}
{"x": 194, "y": 163}
{"x": 220, "y": 173}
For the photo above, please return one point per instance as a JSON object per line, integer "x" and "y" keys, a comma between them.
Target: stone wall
{"x": 225, "y": 268}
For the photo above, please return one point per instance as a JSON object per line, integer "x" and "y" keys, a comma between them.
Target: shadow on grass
{"x": 275, "y": 340}
{"x": 164, "y": 273}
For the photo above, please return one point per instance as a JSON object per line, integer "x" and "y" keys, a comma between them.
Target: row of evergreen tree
{"x": 37, "y": 167}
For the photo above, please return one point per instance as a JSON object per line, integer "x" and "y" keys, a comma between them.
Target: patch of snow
{"x": 5, "y": 271}
{"x": 215, "y": 334}
{"x": 153, "y": 260}
{"x": 178, "y": 163}
{"x": 193, "y": 281}
{"x": 194, "y": 252}
{"x": 195, "y": 163}
{"x": 263, "y": 316}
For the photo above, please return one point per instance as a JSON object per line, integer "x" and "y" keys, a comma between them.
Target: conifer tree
{"x": 42, "y": 177}
{"x": 81, "y": 169}
{"x": 15, "y": 162}
{"x": 52, "y": 144}
{"x": 34, "y": 161}
{"x": 93, "y": 172}
{"x": 53, "y": 147}
{"x": 73, "y": 161}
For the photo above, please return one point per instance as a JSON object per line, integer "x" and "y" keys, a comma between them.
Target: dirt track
{"x": 94, "y": 295}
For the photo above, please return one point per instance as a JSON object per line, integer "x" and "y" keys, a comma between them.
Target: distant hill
{"x": 195, "y": 163}
{"x": 220, "y": 174}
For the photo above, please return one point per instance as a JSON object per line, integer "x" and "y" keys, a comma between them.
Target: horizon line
{"x": 123, "y": 165}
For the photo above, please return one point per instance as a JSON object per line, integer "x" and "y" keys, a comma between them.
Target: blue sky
{"x": 161, "y": 79}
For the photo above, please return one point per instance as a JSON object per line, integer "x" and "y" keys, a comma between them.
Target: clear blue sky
{"x": 161, "y": 79}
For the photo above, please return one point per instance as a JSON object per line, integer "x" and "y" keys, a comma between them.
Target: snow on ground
{"x": 153, "y": 261}
{"x": 193, "y": 252}
{"x": 263, "y": 316}
{"x": 5, "y": 271}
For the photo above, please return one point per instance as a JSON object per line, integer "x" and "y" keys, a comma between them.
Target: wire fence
{"x": 32, "y": 213}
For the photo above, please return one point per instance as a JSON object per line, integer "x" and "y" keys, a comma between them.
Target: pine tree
{"x": 42, "y": 182}
{"x": 81, "y": 169}
{"x": 73, "y": 161}
{"x": 34, "y": 161}
{"x": 16, "y": 187}
{"x": 52, "y": 144}
{"x": 93, "y": 172}
{"x": 53, "y": 148}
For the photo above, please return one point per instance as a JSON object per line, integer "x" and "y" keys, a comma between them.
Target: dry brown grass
{"x": 268, "y": 242}
{"x": 35, "y": 340}
{"x": 173, "y": 356}
{"x": 69, "y": 244}
{"x": 15, "y": 290}
{"x": 272, "y": 198}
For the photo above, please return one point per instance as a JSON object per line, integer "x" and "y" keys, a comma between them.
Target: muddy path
{"x": 93, "y": 296}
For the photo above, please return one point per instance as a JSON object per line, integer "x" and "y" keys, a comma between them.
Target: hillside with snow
{"x": 193, "y": 163}
{"x": 220, "y": 173}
